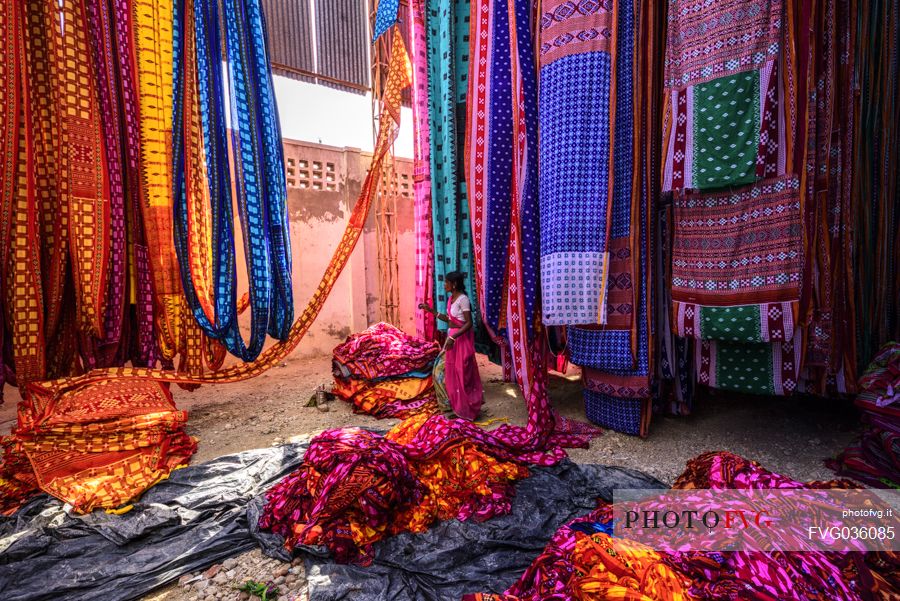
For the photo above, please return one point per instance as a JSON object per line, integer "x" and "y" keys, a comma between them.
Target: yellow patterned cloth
{"x": 457, "y": 480}
{"x": 99, "y": 446}
{"x": 620, "y": 569}
{"x": 399, "y": 397}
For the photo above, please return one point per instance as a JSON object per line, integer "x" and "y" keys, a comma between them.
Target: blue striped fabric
{"x": 260, "y": 187}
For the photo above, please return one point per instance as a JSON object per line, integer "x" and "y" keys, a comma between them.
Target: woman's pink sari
{"x": 462, "y": 381}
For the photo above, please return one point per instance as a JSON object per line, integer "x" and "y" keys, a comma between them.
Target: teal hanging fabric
{"x": 448, "y": 66}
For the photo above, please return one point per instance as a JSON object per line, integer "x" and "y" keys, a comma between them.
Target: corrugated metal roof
{"x": 288, "y": 24}
{"x": 342, "y": 42}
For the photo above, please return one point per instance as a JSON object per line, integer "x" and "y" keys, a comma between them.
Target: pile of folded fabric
{"x": 874, "y": 457}
{"x": 384, "y": 372}
{"x": 585, "y": 561}
{"x": 97, "y": 446}
{"x": 356, "y": 487}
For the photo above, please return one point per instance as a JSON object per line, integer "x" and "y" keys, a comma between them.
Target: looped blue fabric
{"x": 259, "y": 171}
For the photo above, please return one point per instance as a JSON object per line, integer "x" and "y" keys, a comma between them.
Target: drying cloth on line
{"x": 722, "y": 95}
{"x": 448, "y": 66}
{"x": 385, "y": 17}
{"x": 454, "y": 558}
{"x": 192, "y": 520}
{"x": 754, "y": 368}
{"x": 425, "y": 321}
{"x": 737, "y": 263}
{"x": 577, "y": 117}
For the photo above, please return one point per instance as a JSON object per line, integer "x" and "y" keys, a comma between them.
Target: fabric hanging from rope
{"x": 503, "y": 93}
{"x": 876, "y": 182}
{"x": 488, "y": 157}
{"x": 447, "y": 28}
{"x": 385, "y": 17}
{"x": 258, "y": 164}
{"x": 577, "y": 179}
{"x": 425, "y": 322}
{"x": 129, "y": 385}
{"x": 177, "y": 332}
{"x": 616, "y": 357}
{"x": 81, "y": 291}
{"x": 736, "y": 272}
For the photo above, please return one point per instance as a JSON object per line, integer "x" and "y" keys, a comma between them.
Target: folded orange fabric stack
{"x": 99, "y": 446}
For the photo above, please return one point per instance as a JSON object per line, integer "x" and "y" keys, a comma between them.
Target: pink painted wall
{"x": 323, "y": 184}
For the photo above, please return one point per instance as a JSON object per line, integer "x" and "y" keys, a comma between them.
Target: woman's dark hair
{"x": 458, "y": 279}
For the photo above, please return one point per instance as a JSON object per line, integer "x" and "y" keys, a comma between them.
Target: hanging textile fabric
{"x": 140, "y": 292}
{"x": 96, "y": 477}
{"x": 10, "y": 99}
{"x": 876, "y": 184}
{"x": 57, "y": 207}
{"x": 675, "y": 355}
{"x": 824, "y": 34}
{"x": 577, "y": 44}
{"x": 489, "y": 143}
{"x": 385, "y": 17}
{"x": 259, "y": 167}
{"x": 177, "y": 332}
{"x": 425, "y": 322}
{"x": 616, "y": 357}
{"x": 737, "y": 229}
{"x": 502, "y": 170}
{"x": 448, "y": 27}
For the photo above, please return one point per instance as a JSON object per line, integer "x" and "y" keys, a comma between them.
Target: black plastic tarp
{"x": 194, "y": 519}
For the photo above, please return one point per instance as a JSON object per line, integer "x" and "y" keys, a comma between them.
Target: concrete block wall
{"x": 323, "y": 183}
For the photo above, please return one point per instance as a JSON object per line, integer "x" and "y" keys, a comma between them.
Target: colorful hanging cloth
{"x": 616, "y": 357}
{"x": 385, "y": 17}
{"x": 448, "y": 65}
{"x": 504, "y": 91}
{"x": 577, "y": 102}
{"x": 721, "y": 94}
{"x": 737, "y": 263}
{"x": 875, "y": 268}
{"x": 128, "y": 386}
{"x": 260, "y": 187}
{"x": 425, "y": 322}
{"x": 830, "y": 123}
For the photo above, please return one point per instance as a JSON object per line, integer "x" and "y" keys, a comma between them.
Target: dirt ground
{"x": 791, "y": 436}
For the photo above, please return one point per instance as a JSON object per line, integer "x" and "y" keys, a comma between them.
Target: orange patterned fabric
{"x": 177, "y": 332}
{"x": 97, "y": 446}
{"x": 129, "y": 464}
{"x": 84, "y": 186}
{"x": 399, "y": 78}
{"x": 455, "y": 480}
{"x": 400, "y": 398}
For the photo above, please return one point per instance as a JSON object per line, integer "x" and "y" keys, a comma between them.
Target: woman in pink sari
{"x": 462, "y": 381}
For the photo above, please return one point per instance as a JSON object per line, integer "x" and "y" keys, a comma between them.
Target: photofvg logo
{"x": 759, "y": 520}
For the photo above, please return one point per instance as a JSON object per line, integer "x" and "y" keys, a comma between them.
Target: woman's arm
{"x": 437, "y": 315}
